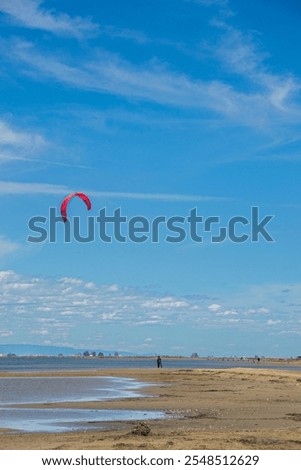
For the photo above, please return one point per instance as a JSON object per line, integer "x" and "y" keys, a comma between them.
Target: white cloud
{"x": 124, "y": 33}
{"x": 4, "y": 275}
{"x": 165, "y": 303}
{"x": 218, "y": 3}
{"x": 258, "y": 310}
{"x": 109, "y": 73}
{"x": 40, "y": 332}
{"x": 11, "y": 187}
{"x": 229, "y": 312}
{"x": 273, "y": 322}
{"x": 18, "y": 144}
{"x": 9, "y": 136}
{"x": 214, "y": 307}
{"x": 67, "y": 308}
{"x": 5, "y": 334}
{"x": 263, "y": 310}
{"x": 209, "y": 3}
{"x": 272, "y": 98}
{"x": 31, "y": 14}
{"x": 7, "y": 247}
{"x": 267, "y": 98}
{"x": 60, "y": 305}
{"x": 241, "y": 55}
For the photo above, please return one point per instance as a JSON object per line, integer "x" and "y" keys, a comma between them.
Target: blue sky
{"x": 154, "y": 107}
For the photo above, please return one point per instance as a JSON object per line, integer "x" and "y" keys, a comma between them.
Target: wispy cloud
{"x": 7, "y": 247}
{"x": 158, "y": 196}
{"x": 125, "y": 33}
{"x": 269, "y": 98}
{"x": 106, "y": 72}
{"x": 242, "y": 56}
{"x": 11, "y": 187}
{"x": 31, "y": 14}
{"x": 221, "y": 6}
{"x": 10, "y": 136}
{"x": 17, "y": 188}
{"x": 16, "y": 144}
{"x": 209, "y": 2}
{"x": 273, "y": 98}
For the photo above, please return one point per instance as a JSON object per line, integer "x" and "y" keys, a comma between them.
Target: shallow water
{"x": 50, "y": 390}
{"x": 20, "y": 390}
{"x": 64, "y": 419}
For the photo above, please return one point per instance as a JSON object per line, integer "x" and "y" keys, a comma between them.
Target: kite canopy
{"x": 66, "y": 202}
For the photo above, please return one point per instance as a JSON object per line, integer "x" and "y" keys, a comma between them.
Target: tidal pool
{"x": 67, "y": 419}
{"x": 17, "y": 393}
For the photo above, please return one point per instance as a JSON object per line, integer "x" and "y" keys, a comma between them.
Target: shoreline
{"x": 237, "y": 408}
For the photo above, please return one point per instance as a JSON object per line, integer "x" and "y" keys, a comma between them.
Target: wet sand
{"x": 207, "y": 409}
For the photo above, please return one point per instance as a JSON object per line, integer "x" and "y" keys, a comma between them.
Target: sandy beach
{"x": 206, "y": 409}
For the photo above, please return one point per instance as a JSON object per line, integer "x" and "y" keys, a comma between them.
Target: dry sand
{"x": 208, "y": 409}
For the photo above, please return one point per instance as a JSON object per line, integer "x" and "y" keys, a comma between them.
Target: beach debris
{"x": 141, "y": 429}
{"x": 65, "y": 203}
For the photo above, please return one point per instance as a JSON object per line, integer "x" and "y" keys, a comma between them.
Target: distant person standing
{"x": 159, "y": 362}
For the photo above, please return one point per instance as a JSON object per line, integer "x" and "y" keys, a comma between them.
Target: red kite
{"x": 66, "y": 202}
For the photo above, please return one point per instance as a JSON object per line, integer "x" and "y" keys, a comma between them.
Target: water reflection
{"x": 18, "y": 390}
{"x": 50, "y": 390}
{"x": 63, "y": 419}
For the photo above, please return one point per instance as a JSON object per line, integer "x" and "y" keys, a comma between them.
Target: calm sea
{"x": 27, "y": 364}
